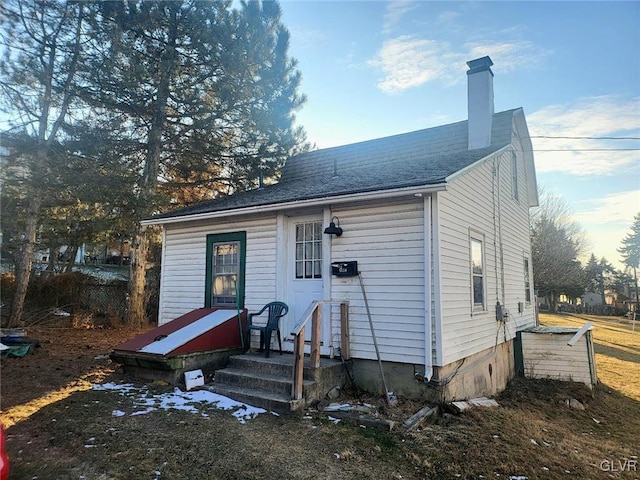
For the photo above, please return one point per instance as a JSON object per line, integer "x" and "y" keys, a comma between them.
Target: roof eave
{"x": 274, "y": 207}
{"x": 527, "y": 150}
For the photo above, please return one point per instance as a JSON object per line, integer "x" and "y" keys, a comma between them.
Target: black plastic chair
{"x": 276, "y": 310}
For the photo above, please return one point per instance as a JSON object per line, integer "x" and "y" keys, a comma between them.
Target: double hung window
{"x": 477, "y": 272}
{"x": 527, "y": 282}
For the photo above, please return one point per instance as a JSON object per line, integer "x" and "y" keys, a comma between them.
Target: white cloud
{"x": 617, "y": 208}
{"x": 396, "y": 9}
{"x": 602, "y": 116}
{"x": 509, "y": 56}
{"x": 607, "y": 220}
{"x": 410, "y": 61}
{"x": 590, "y": 116}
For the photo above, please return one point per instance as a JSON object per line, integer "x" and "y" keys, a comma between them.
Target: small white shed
{"x": 559, "y": 353}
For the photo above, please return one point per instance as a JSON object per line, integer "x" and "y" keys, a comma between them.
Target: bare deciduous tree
{"x": 42, "y": 51}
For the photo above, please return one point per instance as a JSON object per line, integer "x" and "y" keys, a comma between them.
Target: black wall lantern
{"x": 332, "y": 229}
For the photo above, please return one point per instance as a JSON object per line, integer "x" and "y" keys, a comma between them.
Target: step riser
{"x": 251, "y": 365}
{"x": 250, "y": 381}
{"x": 256, "y": 400}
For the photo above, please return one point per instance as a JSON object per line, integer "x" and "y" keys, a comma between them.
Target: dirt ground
{"x": 72, "y": 359}
{"x": 59, "y": 427}
{"x": 66, "y": 359}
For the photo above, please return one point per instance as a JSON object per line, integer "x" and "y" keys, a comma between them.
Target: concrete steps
{"x": 266, "y": 382}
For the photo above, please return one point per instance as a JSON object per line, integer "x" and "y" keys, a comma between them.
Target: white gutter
{"x": 424, "y": 189}
{"x": 162, "y": 279}
{"x": 428, "y": 345}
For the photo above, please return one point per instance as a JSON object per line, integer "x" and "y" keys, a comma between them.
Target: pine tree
{"x": 204, "y": 95}
{"x": 630, "y": 252}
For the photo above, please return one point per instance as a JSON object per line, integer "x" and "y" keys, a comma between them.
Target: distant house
{"x": 437, "y": 221}
{"x": 590, "y": 299}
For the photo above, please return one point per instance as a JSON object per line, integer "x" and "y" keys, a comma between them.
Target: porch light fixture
{"x": 332, "y": 229}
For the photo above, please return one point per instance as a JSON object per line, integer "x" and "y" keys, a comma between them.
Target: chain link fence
{"x": 75, "y": 299}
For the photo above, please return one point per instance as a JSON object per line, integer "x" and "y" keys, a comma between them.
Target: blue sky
{"x": 378, "y": 68}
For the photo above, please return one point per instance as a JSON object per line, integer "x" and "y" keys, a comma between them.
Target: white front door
{"x": 305, "y": 272}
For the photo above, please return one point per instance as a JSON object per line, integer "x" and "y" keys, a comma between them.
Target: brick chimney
{"x": 480, "y": 102}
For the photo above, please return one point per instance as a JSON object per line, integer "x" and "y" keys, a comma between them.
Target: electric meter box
{"x": 344, "y": 269}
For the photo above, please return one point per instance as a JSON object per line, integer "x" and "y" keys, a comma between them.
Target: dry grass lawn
{"x": 616, "y": 345}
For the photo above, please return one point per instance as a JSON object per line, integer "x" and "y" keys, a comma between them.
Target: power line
{"x": 585, "y": 138}
{"x": 587, "y": 150}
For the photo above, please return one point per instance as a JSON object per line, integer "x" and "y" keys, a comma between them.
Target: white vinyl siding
{"x": 481, "y": 200}
{"x": 386, "y": 239}
{"x": 182, "y": 287}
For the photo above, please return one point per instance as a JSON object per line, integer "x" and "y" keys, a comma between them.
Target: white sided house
{"x": 437, "y": 221}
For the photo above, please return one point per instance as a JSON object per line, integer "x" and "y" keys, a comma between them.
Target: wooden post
{"x": 298, "y": 366}
{"x": 344, "y": 331}
{"x": 316, "y": 323}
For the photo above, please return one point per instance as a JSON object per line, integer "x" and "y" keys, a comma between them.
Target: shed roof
{"x": 423, "y": 157}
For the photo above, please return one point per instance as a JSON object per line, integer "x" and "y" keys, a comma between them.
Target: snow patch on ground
{"x": 146, "y": 402}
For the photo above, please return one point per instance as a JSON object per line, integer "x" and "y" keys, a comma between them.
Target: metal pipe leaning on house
{"x": 235, "y": 285}
{"x": 390, "y": 397}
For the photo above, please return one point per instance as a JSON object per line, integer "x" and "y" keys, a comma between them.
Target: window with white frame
{"x": 226, "y": 265}
{"x": 527, "y": 282}
{"x": 514, "y": 177}
{"x": 309, "y": 250}
{"x": 477, "y": 272}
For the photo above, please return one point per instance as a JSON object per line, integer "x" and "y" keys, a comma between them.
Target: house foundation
{"x": 485, "y": 373}
{"x": 171, "y": 369}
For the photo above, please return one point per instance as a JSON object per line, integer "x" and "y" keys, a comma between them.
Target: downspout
{"x": 428, "y": 274}
{"x": 437, "y": 300}
{"x": 162, "y": 276}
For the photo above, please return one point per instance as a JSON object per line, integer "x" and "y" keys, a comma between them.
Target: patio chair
{"x": 276, "y": 311}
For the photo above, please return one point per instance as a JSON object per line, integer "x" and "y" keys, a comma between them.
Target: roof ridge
{"x": 401, "y": 134}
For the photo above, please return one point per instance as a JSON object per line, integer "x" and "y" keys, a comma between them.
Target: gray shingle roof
{"x": 423, "y": 157}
